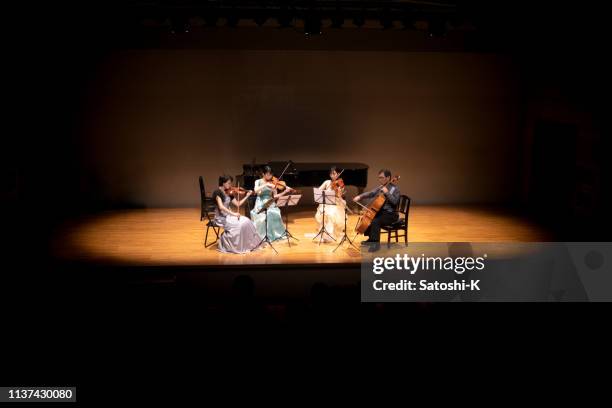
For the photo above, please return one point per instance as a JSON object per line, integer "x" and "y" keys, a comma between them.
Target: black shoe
{"x": 375, "y": 247}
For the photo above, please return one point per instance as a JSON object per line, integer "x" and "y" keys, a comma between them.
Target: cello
{"x": 372, "y": 209}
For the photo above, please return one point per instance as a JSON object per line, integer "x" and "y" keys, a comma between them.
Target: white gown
{"x": 334, "y": 215}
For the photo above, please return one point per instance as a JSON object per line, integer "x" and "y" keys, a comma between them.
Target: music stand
{"x": 324, "y": 197}
{"x": 345, "y": 237}
{"x": 288, "y": 201}
{"x": 266, "y": 238}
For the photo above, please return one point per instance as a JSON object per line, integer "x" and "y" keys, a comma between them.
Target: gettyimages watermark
{"x": 476, "y": 272}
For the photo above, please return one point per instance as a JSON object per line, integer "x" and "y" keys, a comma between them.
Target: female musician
{"x": 388, "y": 213}
{"x": 267, "y": 188}
{"x": 239, "y": 233}
{"x": 334, "y": 214}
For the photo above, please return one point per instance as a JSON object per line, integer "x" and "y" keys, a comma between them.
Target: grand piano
{"x": 306, "y": 174}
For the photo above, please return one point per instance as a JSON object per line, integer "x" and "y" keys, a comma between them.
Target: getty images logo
{"x": 412, "y": 264}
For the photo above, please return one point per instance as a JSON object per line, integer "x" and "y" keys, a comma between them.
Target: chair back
{"x": 202, "y": 190}
{"x": 206, "y": 204}
{"x": 404, "y": 206}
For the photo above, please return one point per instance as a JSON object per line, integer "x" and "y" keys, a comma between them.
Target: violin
{"x": 338, "y": 185}
{"x": 236, "y": 191}
{"x": 280, "y": 185}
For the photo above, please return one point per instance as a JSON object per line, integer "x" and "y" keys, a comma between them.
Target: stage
{"x": 175, "y": 237}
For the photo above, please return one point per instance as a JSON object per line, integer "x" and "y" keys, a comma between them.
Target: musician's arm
{"x": 259, "y": 185}
{"x": 393, "y": 196}
{"x": 367, "y": 194}
{"x": 285, "y": 191}
{"x": 239, "y": 203}
{"x": 225, "y": 209}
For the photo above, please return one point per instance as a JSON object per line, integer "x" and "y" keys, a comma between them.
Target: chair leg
{"x": 217, "y": 235}
{"x": 406, "y": 236}
{"x": 216, "y": 231}
{"x": 388, "y": 239}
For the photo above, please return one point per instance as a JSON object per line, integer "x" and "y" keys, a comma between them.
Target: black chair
{"x": 204, "y": 200}
{"x": 207, "y": 209}
{"x": 400, "y": 227}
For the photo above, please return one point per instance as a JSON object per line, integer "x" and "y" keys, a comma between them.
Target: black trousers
{"x": 382, "y": 218}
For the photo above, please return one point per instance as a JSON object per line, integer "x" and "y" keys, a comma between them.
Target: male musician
{"x": 388, "y": 213}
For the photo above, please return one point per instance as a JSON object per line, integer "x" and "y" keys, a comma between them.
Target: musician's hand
{"x": 271, "y": 185}
{"x": 237, "y": 214}
{"x": 356, "y": 198}
{"x": 249, "y": 193}
{"x": 385, "y": 189}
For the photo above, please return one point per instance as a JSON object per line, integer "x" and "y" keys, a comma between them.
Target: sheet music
{"x": 288, "y": 200}
{"x": 328, "y": 195}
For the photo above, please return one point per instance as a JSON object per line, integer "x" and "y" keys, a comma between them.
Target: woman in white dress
{"x": 239, "y": 233}
{"x": 334, "y": 214}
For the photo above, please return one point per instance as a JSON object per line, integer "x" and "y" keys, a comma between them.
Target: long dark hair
{"x": 224, "y": 178}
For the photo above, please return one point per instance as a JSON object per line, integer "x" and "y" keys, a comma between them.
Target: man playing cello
{"x": 387, "y": 213}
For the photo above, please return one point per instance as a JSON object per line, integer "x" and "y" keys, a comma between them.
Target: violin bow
{"x": 283, "y": 173}
{"x": 284, "y": 170}
{"x": 238, "y": 200}
{"x": 339, "y": 174}
{"x": 357, "y": 202}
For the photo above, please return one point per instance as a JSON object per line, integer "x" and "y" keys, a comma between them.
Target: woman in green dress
{"x": 267, "y": 190}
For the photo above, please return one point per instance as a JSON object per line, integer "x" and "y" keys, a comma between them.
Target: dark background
{"x": 102, "y": 115}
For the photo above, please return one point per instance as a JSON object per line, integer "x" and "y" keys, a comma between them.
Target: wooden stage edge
{"x": 174, "y": 237}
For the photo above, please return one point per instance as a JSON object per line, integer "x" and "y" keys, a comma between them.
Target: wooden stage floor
{"x": 166, "y": 237}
